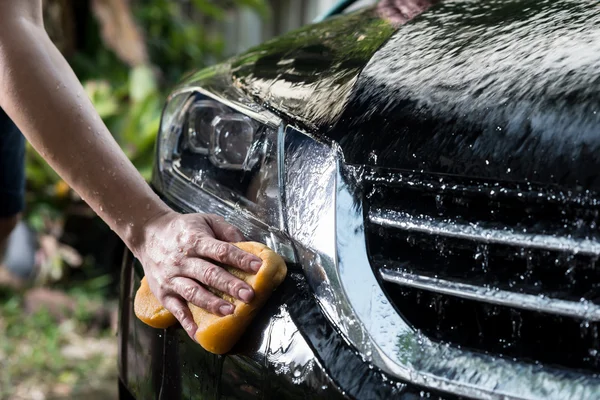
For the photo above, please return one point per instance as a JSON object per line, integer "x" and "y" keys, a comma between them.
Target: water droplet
{"x": 373, "y": 157}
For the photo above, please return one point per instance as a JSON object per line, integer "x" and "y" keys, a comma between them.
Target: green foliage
{"x": 131, "y": 112}
{"x": 186, "y": 37}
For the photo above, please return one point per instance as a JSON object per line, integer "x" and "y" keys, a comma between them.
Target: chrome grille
{"x": 508, "y": 270}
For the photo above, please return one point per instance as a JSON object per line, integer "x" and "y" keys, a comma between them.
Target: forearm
{"x": 40, "y": 92}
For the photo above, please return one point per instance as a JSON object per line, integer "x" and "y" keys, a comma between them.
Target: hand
{"x": 177, "y": 253}
{"x": 399, "y": 12}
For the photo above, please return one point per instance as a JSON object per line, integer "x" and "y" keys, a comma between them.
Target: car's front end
{"x": 440, "y": 231}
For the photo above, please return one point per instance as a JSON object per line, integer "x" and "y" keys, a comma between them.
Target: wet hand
{"x": 178, "y": 253}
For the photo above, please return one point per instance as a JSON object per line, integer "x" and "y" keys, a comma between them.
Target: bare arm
{"x": 42, "y": 95}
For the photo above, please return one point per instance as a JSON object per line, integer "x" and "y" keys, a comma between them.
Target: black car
{"x": 430, "y": 173}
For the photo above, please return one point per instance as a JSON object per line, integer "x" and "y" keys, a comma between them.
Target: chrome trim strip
{"x": 431, "y": 226}
{"x": 585, "y": 309}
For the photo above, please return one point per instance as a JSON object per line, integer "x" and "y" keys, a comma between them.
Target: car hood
{"x": 505, "y": 90}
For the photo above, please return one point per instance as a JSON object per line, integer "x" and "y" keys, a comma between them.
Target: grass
{"x": 42, "y": 358}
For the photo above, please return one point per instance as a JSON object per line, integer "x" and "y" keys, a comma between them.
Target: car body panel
{"x": 307, "y": 74}
{"x": 166, "y": 364}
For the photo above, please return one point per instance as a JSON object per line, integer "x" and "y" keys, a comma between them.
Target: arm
{"x": 42, "y": 95}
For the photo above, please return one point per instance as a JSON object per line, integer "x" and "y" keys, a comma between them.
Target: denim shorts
{"x": 12, "y": 167}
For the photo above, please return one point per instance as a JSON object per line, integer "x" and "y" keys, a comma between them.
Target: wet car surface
{"x": 433, "y": 187}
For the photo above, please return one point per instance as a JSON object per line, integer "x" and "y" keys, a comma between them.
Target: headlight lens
{"x": 199, "y": 129}
{"x": 231, "y": 141}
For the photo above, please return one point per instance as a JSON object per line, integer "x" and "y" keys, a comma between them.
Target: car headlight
{"x": 214, "y": 155}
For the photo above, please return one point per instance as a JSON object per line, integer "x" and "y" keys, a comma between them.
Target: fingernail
{"x": 255, "y": 265}
{"x": 226, "y": 309}
{"x": 192, "y": 332}
{"x": 245, "y": 294}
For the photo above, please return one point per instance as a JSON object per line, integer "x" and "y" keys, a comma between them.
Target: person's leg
{"x": 12, "y": 178}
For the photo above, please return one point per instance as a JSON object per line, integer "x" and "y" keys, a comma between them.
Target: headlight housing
{"x": 214, "y": 155}
{"x": 280, "y": 186}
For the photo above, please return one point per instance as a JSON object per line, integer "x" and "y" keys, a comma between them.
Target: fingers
{"x": 216, "y": 277}
{"x": 180, "y": 310}
{"x": 194, "y": 293}
{"x": 223, "y": 230}
{"x": 228, "y": 254}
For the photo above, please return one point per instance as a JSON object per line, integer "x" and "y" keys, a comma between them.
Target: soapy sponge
{"x": 215, "y": 333}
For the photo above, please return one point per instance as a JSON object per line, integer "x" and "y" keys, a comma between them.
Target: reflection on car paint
{"x": 308, "y": 74}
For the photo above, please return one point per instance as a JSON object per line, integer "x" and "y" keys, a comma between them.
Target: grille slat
{"x": 405, "y": 221}
{"x": 584, "y": 310}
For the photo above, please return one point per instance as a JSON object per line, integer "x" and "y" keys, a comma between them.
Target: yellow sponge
{"x": 218, "y": 334}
